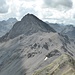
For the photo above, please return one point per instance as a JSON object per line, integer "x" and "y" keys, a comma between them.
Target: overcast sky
{"x": 62, "y": 11}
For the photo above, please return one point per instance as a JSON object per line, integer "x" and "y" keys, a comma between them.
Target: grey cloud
{"x": 23, "y": 11}
{"x": 27, "y": 0}
{"x": 73, "y": 16}
{"x": 66, "y": 4}
{"x": 3, "y": 6}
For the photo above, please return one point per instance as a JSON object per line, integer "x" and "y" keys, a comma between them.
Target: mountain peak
{"x": 29, "y": 17}
{"x": 29, "y": 14}
{"x": 28, "y": 25}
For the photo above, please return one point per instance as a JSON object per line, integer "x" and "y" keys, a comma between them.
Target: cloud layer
{"x": 3, "y": 6}
{"x": 44, "y": 9}
{"x": 59, "y": 4}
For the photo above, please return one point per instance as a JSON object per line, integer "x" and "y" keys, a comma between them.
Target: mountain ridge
{"x": 31, "y": 45}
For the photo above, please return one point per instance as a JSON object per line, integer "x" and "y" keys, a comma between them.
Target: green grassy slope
{"x": 64, "y": 65}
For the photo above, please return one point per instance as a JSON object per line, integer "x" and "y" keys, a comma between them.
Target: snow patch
{"x": 46, "y": 58}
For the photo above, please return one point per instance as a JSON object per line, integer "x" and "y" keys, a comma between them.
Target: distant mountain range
{"x": 68, "y": 30}
{"x": 32, "y": 47}
{"x": 5, "y": 26}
